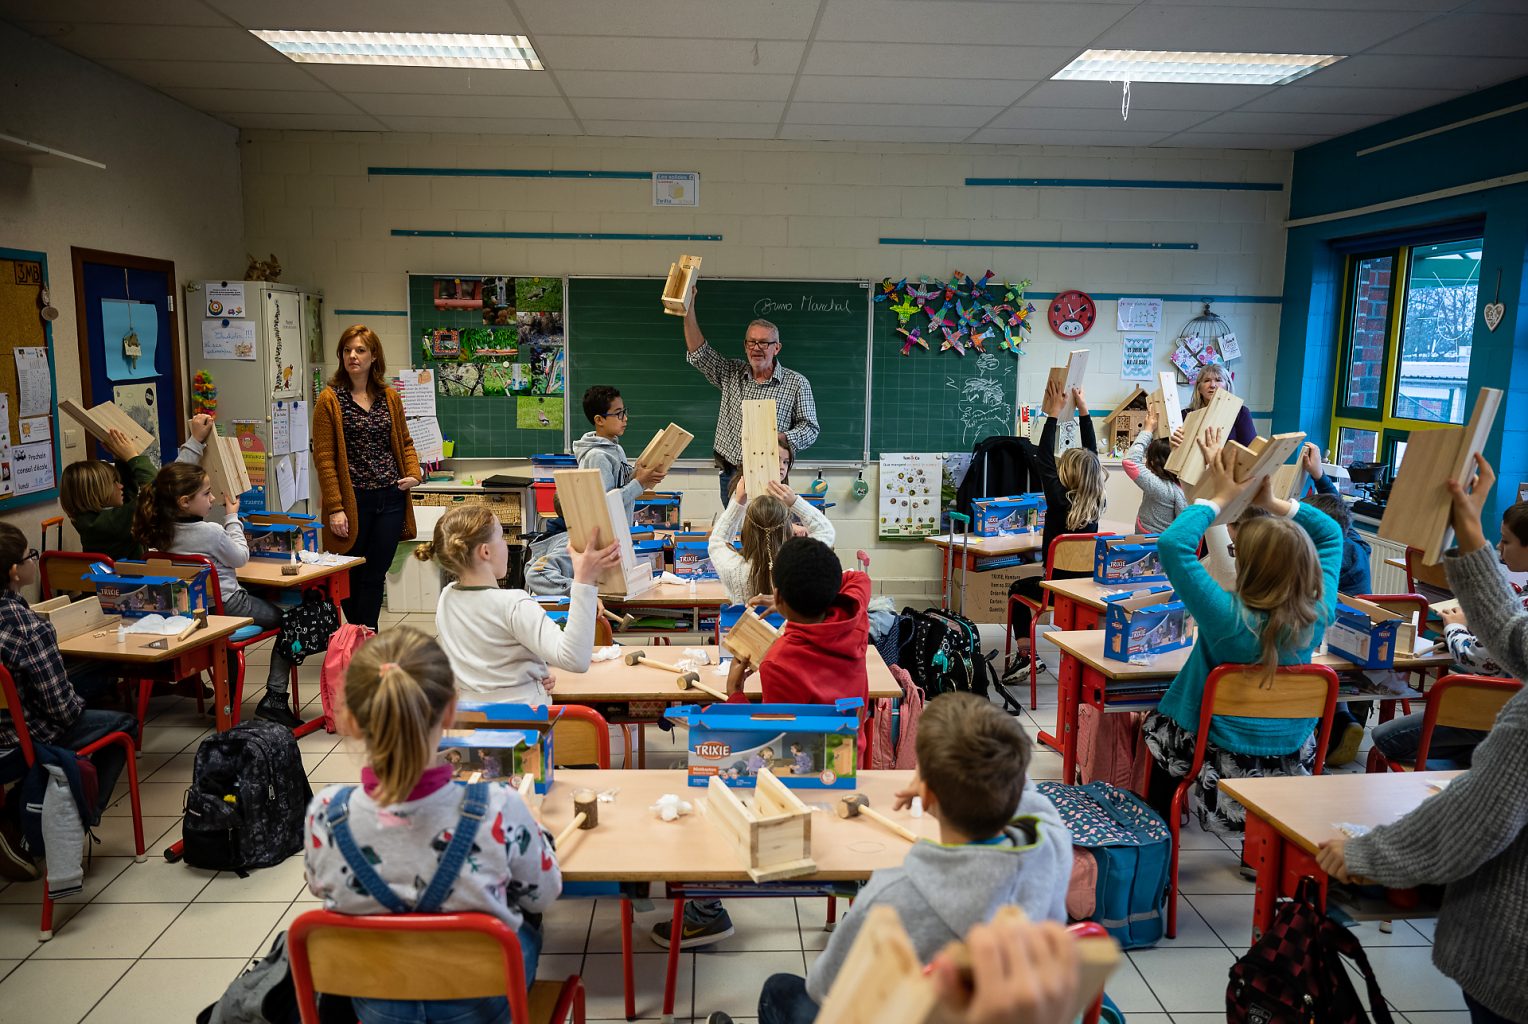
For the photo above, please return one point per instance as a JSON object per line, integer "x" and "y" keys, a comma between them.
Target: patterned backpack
{"x": 247, "y": 799}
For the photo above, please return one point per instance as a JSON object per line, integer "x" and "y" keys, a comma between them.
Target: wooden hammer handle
{"x": 572, "y": 826}
{"x": 899, "y": 829}
{"x": 703, "y": 688}
{"x": 644, "y": 660}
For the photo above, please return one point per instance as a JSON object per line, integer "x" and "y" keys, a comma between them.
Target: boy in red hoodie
{"x": 819, "y": 659}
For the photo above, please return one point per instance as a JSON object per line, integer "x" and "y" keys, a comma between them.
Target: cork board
{"x": 23, "y": 274}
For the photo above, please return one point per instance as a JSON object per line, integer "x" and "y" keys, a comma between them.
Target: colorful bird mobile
{"x": 966, "y": 311}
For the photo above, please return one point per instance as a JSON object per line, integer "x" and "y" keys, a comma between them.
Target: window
{"x": 1404, "y": 350}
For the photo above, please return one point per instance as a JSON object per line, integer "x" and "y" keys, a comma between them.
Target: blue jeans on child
{"x": 1399, "y": 738}
{"x": 784, "y": 1000}
{"x": 493, "y": 1010}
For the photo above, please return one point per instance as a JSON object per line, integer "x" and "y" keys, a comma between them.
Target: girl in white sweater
{"x": 766, "y": 525}
{"x": 501, "y": 642}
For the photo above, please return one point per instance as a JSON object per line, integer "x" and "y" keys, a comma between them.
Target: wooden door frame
{"x": 78, "y": 258}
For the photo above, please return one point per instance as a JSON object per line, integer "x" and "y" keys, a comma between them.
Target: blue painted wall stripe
{"x": 1019, "y": 243}
{"x": 505, "y": 172}
{"x": 597, "y": 236}
{"x": 370, "y": 312}
{"x": 1219, "y": 300}
{"x": 1225, "y": 186}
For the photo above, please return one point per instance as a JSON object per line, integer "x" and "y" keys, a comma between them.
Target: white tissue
{"x": 610, "y": 653}
{"x": 669, "y": 807}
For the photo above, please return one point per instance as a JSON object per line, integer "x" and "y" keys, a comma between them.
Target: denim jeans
{"x": 1398, "y": 739}
{"x": 725, "y": 476}
{"x": 376, "y": 532}
{"x": 490, "y": 1010}
{"x": 278, "y": 678}
{"x": 784, "y": 1000}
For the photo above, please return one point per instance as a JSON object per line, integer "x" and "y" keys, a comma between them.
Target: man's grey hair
{"x": 766, "y": 325}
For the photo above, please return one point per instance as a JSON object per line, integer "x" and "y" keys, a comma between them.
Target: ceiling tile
{"x": 617, "y": 53}
{"x": 1012, "y": 24}
{"x": 206, "y": 74}
{"x": 672, "y": 19}
{"x": 1318, "y": 30}
{"x": 482, "y": 125}
{"x": 304, "y": 122}
{"x": 490, "y": 16}
{"x": 1328, "y": 125}
{"x": 680, "y": 129}
{"x": 1101, "y": 119}
{"x": 908, "y": 115}
{"x": 846, "y": 89}
{"x": 937, "y": 60}
{"x": 591, "y": 108}
{"x": 112, "y": 12}
{"x": 387, "y": 105}
{"x": 871, "y": 133}
{"x": 155, "y": 42}
{"x": 1383, "y": 71}
{"x": 1467, "y": 35}
{"x": 1301, "y": 98}
{"x": 1065, "y": 137}
{"x": 265, "y": 101}
{"x": 434, "y": 81}
{"x": 677, "y": 85}
{"x": 1143, "y": 95}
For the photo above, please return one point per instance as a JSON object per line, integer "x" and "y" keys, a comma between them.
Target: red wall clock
{"x": 1072, "y": 313}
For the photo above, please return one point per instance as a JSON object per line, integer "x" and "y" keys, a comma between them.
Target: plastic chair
{"x": 63, "y": 572}
{"x": 1070, "y": 552}
{"x": 1458, "y": 702}
{"x": 1412, "y": 607}
{"x": 1090, "y": 930}
{"x": 1298, "y": 691}
{"x": 421, "y": 956}
{"x": 28, "y": 754}
{"x": 1429, "y": 581}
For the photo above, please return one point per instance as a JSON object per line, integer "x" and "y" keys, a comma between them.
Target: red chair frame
{"x": 1037, "y": 610}
{"x": 1378, "y": 762}
{"x": 1201, "y": 741}
{"x": 1421, "y": 609}
{"x": 570, "y": 999}
{"x": 1090, "y": 930}
{"x": 29, "y": 754}
{"x": 54, "y": 555}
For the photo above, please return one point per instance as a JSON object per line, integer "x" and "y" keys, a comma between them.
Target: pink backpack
{"x": 331, "y": 681}
{"x": 1109, "y": 747}
{"x": 912, "y": 710}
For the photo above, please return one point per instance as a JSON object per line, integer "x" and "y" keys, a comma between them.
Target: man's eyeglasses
{"x": 619, "y": 414}
{"x": 758, "y": 343}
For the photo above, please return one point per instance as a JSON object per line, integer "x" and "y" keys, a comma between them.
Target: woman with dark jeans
{"x": 366, "y": 467}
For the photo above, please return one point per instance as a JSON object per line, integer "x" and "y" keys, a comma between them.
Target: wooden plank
{"x": 1076, "y": 369}
{"x": 677, "y": 289}
{"x": 77, "y": 618}
{"x": 761, "y": 446}
{"x": 1290, "y": 481}
{"x": 100, "y": 420}
{"x": 751, "y": 638}
{"x": 588, "y": 507}
{"x": 224, "y": 463}
{"x": 665, "y": 448}
{"x": 1272, "y": 455}
{"x": 1417, "y": 513}
{"x": 1187, "y": 461}
{"x": 1172, "y": 404}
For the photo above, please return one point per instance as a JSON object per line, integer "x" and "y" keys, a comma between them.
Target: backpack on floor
{"x": 1131, "y": 848}
{"x": 331, "y": 679}
{"x": 247, "y": 799}
{"x": 307, "y": 627}
{"x": 1109, "y": 746}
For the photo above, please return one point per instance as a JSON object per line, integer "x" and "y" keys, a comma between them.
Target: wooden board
{"x": 100, "y": 420}
{"x": 1417, "y": 514}
{"x": 1172, "y": 404}
{"x": 224, "y": 463}
{"x": 773, "y": 838}
{"x": 75, "y": 619}
{"x": 1272, "y": 454}
{"x": 1076, "y": 369}
{"x": 676, "y": 290}
{"x": 588, "y": 507}
{"x": 1187, "y": 461}
{"x": 1290, "y": 481}
{"x": 750, "y": 638}
{"x": 761, "y": 446}
{"x": 665, "y": 448}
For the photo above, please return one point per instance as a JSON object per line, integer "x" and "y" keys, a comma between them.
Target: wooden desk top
{"x": 1087, "y": 645}
{"x": 105, "y": 647}
{"x": 618, "y": 681}
{"x": 1014, "y": 544}
{"x": 708, "y": 594}
{"x": 1307, "y": 809}
{"x": 266, "y": 572}
{"x": 630, "y": 844}
{"x": 1092, "y": 594}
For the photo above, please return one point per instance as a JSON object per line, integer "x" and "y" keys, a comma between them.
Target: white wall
{"x": 785, "y": 210}
{"x": 170, "y": 189}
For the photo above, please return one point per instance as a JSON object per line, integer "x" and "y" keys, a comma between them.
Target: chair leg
{"x": 628, "y": 980}
{"x": 1034, "y": 660}
{"x": 45, "y": 929}
{"x": 145, "y": 691}
{"x": 832, "y": 914}
{"x": 134, "y": 798}
{"x": 626, "y": 745}
{"x": 1174, "y": 825}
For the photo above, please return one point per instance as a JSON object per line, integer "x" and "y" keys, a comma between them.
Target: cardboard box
{"x": 654, "y": 551}
{"x": 731, "y": 613}
{"x": 660, "y": 510}
{"x": 808, "y": 746}
{"x": 1145, "y": 623}
{"x": 986, "y": 598}
{"x": 276, "y": 535}
{"x": 1127, "y": 560}
{"x": 516, "y": 737}
{"x": 1368, "y": 635}
{"x": 136, "y": 589}
{"x": 543, "y": 466}
{"x": 1009, "y": 516}
{"x": 692, "y": 558}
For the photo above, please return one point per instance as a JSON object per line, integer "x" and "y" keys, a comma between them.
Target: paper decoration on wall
{"x": 229, "y": 339}
{"x": 225, "y": 299}
{"x": 284, "y": 341}
{"x": 29, "y": 430}
{"x": 5, "y": 443}
{"x": 459, "y": 381}
{"x": 1136, "y": 359}
{"x": 540, "y": 412}
{"x": 252, "y": 446}
{"x": 1205, "y": 340}
{"x": 34, "y": 381}
{"x": 417, "y": 390}
{"x": 141, "y": 403}
{"x": 1493, "y": 311}
{"x": 539, "y": 294}
{"x": 539, "y": 328}
{"x": 967, "y": 312}
{"x": 1140, "y": 315}
{"x": 429, "y": 446}
{"x": 281, "y": 430}
{"x": 909, "y": 494}
{"x": 129, "y": 339}
{"x": 298, "y": 425}
{"x": 286, "y": 482}
{"x": 313, "y": 328}
{"x": 32, "y": 468}
{"x": 204, "y": 394}
{"x": 1230, "y": 348}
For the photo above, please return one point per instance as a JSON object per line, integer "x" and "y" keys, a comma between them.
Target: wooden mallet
{"x": 586, "y": 815}
{"x": 686, "y": 679}
{"x": 620, "y": 623}
{"x": 855, "y": 805}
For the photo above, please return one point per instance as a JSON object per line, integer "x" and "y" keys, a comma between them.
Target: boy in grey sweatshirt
{"x": 601, "y": 448}
{"x": 1001, "y": 843}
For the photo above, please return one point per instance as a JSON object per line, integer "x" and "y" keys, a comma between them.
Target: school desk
{"x": 1079, "y": 603}
{"x": 1084, "y": 675}
{"x": 266, "y": 572}
{"x": 995, "y": 547}
{"x": 1289, "y": 818}
{"x": 204, "y": 650}
{"x": 630, "y": 843}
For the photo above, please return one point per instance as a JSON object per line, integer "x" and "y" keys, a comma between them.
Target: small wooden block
{"x": 751, "y": 638}
{"x": 100, "y": 420}
{"x": 1076, "y": 369}
{"x": 1187, "y": 461}
{"x": 665, "y": 448}
{"x": 291, "y": 569}
{"x": 588, "y": 507}
{"x": 1289, "y": 481}
{"x": 1270, "y": 456}
{"x": 74, "y": 619}
{"x": 773, "y": 838}
{"x": 224, "y": 463}
{"x": 681, "y": 279}
{"x": 761, "y": 446}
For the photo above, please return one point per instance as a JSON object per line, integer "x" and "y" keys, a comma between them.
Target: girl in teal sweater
{"x": 1286, "y": 596}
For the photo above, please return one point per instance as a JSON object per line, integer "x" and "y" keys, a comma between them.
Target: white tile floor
{"x": 156, "y": 942}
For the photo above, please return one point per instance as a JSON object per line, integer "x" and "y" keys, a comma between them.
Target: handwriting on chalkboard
{"x": 801, "y": 304}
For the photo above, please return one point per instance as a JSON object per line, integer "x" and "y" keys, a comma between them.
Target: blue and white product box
{"x": 1009, "y": 516}
{"x": 730, "y": 614}
{"x": 808, "y": 746}
{"x": 135, "y": 589}
{"x": 1146, "y": 623}
{"x": 659, "y": 510}
{"x": 518, "y": 737}
{"x": 276, "y": 535}
{"x": 692, "y": 559}
{"x": 652, "y": 551}
{"x": 1367, "y": 639}
{"x": 1130, "y": 560}
{"x": 543, "y": 466}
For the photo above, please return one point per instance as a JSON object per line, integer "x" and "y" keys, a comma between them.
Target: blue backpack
{"x": 1133, "y": 849}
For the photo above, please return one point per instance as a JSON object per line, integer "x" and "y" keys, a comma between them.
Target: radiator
{"x": 1385, "y": 579}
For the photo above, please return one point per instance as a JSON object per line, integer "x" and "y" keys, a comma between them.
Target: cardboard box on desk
{"x": 692, "y": 557}
{"x": 654, "y": 551}
{"x": 1146, "y": 622}
{"x": 1131, "y": 559}
{"x": 808, "y": 746}
{"x": 1368, "y": 635}
{"x": 527, "y": 730}
{"x": 497, "y": 755}
{"x": 657, "y": 509}
{"x": 135, "y": 589}
{"x": 276, "y": 535}
{"x": 1008, "y": 516}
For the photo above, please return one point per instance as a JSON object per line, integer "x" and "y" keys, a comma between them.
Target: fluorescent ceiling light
{"x": 1184, "y": 66}
{"x": 404, "y": 49}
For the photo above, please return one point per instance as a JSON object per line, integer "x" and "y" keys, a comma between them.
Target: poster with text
{"x": 32, "y": 468}
{"x": 1136, "y": 356}
{"x": 909, "y": 494}
{"x": 229, "y": 339}
{"x": 34, "y": 381}
{"x": 5, "y": 443}
{"x": 252, "y": 447}
{"x": 226, "y": 298}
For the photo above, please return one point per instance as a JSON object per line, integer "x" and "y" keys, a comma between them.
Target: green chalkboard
{"x": 933, "y": 401}
{"x": 618, "y": 334}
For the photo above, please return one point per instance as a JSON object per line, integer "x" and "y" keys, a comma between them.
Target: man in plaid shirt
{"x": 758, "y": 376}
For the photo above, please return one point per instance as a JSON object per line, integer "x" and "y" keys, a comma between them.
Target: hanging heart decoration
{"x": 1494, "y": 310}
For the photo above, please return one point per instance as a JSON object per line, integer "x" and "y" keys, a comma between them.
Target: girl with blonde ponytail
{"x": 1286, "y": 595}
{"x": 408, "y": 839}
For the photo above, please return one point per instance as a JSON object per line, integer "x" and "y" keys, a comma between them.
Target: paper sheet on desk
{"x": 158, "y": 625}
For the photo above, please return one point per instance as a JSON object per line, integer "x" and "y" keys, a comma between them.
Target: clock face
{"x": 1071, "y": 314}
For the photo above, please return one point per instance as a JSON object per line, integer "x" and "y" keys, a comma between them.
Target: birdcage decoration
{"x": 1205, "y": 339}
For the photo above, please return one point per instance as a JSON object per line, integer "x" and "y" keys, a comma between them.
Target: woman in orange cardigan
{"x": 366, "y": 467}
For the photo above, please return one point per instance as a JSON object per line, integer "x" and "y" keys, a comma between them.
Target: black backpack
{"x": 945, "y": 654}
{"x": 307, "y": 628}
{"x": 247, "y": 799}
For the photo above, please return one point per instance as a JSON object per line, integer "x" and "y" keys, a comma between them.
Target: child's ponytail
{"x": 766, "y": 528}
{"x": 397, "y": 690}
{"x": 159, "y": 504}
{"x": 1080, "y": 472}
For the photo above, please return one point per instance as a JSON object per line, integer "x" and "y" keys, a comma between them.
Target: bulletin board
{"x": 23, "y": 276}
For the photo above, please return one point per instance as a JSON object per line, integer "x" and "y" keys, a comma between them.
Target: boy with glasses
{"x": 601, "y": 448}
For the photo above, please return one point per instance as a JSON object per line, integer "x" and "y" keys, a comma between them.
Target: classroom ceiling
{"x": 850, "y": 70}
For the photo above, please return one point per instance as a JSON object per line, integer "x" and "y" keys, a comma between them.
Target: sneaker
{"x": 273, "y": 707}
{"x": 15, "y": 865}
{"x": 718, "y": 1017}
{"x": 1017, "y": 666}
{"x": 1345, "y": 750}
{"x": 700, "y": 929}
